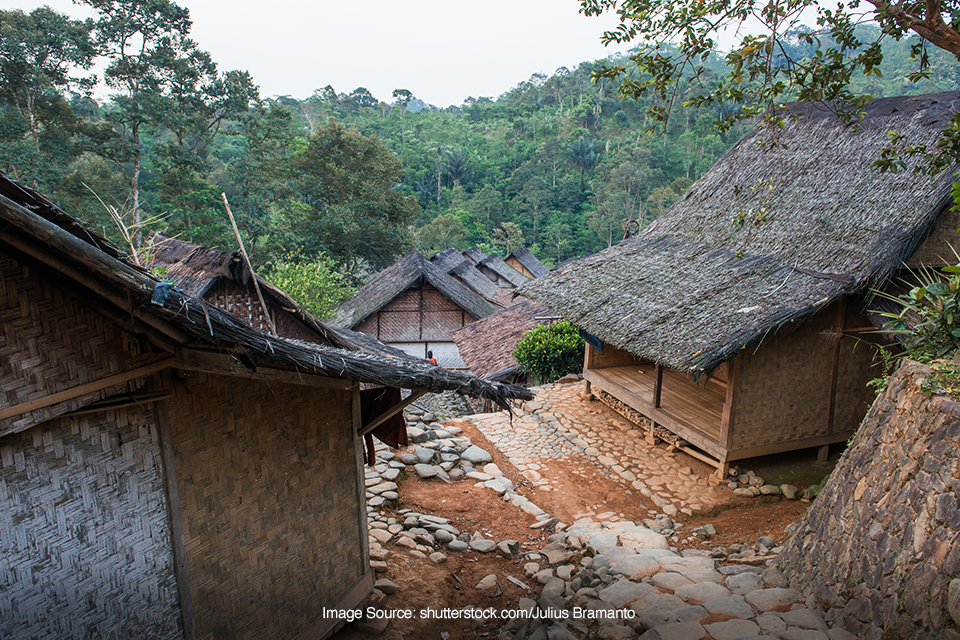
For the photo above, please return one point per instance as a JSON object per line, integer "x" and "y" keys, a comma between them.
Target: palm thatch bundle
{"x": 409, "y": 272}
{"x": 819, "y": 222}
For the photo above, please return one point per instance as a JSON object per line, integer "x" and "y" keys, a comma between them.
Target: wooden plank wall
{"x": 269, "y": 502}
{"x": 84, "y": 535}
{"x": 50, "y": 342}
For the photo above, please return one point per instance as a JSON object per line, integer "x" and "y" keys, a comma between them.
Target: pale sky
{"x": 441, "y": 50}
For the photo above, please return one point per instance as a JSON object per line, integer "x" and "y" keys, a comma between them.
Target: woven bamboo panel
{"x": 369, "y": 327}
{"x": 783, "y": 388}
{"x": 857, "y": 368}
{"x": 433, "y": 300}
{"x": 399, "y": 326}
{"x": 49, "y": 342}
{"x": 239, "y": 301}
{"x": 84, "y": 537}
{"x": 437, "y": 325}
{"x": 447, "y": 354}
{"x": 938, "y": 248}
{"x": 407, "y": 301}
{"x": 270, "y": 503}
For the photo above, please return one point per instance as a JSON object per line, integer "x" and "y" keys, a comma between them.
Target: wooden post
{"x": 174, "y": 515}
{"x": 835, "y": 371}
{"x": 587, "y": 364}
{"x": 823, "y": 453}
{"x": 253, "y": 274}
{"x": 657, "y": 385}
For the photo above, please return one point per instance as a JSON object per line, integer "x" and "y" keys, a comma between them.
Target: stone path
{"x": 558, "y": 423}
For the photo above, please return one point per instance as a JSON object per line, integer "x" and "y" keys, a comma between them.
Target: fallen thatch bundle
{"x": 819, "y": 222}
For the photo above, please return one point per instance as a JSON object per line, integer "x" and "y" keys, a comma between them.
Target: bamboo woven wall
{"x": 421, "y": 314}
{"x": 84, "y": 535}
{"x": 783, "y": 387}
{"x": 51, "y": 343}
{"x": 270, "y": 503}
{"x": 858, "y": 366}
{"x": 940, "y": 245}
{"x": 242, "y": 301}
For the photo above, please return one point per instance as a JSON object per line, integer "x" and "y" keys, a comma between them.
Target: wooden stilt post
{"x": 823, "y": 453}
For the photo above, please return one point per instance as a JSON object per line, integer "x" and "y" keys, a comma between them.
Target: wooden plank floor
{"x": 699, "y": 408}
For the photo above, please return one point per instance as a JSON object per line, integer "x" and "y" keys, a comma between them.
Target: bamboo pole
{"x": 256, "y": 285}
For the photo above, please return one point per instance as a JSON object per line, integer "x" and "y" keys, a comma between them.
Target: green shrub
{"x": 316, "y": 284}
{"x": 929, "y": 319}
{"x": 550, "y": 352}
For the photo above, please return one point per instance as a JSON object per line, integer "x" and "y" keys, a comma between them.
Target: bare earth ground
{"x": 581, "y": 486}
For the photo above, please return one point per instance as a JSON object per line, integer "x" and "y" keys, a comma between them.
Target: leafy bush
{"x": 550, "y": 352}
{"x": 929, "y": 320}
{"x": 316, "y": 284}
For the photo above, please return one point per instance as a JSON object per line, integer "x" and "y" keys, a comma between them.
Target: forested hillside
{"x": 559, "y": 164}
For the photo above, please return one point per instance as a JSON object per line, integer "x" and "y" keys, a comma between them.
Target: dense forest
{"x": 560, "y": 163}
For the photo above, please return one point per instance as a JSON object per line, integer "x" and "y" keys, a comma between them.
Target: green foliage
{"x": 317, "y": 284}
{"x": 551, "y": 351}
{"x": 785, "y": 61}
{"x": 944, "y": 379}
{"x": 347, "y": 198}
{"x": 929, "y": 319}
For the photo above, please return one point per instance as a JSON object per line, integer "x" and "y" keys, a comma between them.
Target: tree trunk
{"x": 135, "y": 188}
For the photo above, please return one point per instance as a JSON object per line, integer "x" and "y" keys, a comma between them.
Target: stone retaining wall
{"x": 879, "y": 550}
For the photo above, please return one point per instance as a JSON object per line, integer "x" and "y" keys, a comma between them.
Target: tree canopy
{"x": 765, "y": 66}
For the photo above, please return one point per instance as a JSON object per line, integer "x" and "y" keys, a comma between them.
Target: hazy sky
{"x": 441, "y": 50}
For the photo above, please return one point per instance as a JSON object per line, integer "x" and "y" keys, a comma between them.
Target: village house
{"x": 739, "y": 320}
{"x": 166, "y": 469}
{"x": 413, "y": 305}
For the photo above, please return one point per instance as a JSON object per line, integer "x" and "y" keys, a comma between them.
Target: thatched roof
{"x": 182, "y": 324}
{"x": 681, "y": 294}
{"x": 496, "y": 265}
{"x": 452, "y": 262}
{"x": 487, "y": 345}
{"x": 410, "y": 271}
{"x": 195, "y": 269}
{"x": 529, "y": 262}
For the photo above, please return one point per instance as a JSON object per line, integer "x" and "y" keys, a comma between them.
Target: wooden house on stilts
{"x": 167, "y": 471}
{"x": 736, "y": 320}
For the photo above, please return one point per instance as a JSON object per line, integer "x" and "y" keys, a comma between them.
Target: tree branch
{"x": 931, "y": 27}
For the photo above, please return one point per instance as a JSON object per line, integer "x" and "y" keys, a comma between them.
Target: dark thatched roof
{"x": 529, "y": 261}
{"x": 452, "y": 261}
{"x": 680, "y": 293}
{"x": 496, "y": 265}
{"x": 410, "y": 271}
{"x": 183, "y": 324}
{"x": 487, "y": 345}
{"x": 195, "y": 269}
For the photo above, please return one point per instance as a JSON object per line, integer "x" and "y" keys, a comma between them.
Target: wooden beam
{"x": 356, "y": 422}
{"x": 392, "y": 411}
{"x": 84, "y": 389}
{"x": 657, "y": 385}
{"x": 792, "y": 445}
{"x": 835, "y": 370}
{"x": 728, "y": 421}
{"x": 229, "y": 365}
{"x": 121, "y": 401}
{"x": 175, "y": 516}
